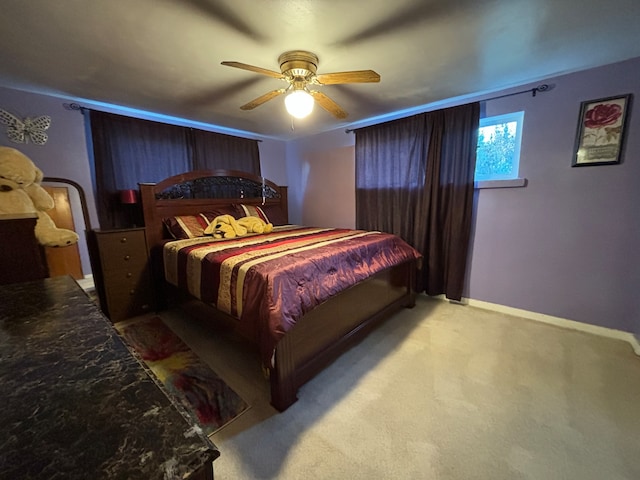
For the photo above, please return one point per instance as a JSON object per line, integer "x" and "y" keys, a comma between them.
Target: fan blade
{"x": 357, "y": 76}
{"x": 262, "y": 99}
{"x": 252, "y": 68}
{"x": 328, "y": 104}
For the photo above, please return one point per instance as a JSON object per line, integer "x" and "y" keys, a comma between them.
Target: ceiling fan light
{"x": 299, "y": 103}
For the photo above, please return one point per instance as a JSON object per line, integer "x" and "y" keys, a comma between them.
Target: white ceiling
{"x": 163, "y": 56}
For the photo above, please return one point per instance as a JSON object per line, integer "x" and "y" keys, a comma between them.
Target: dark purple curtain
{"x": 414, "y": 178}
{"x": 128, "y": 151}
{"x": 214, "y": 150}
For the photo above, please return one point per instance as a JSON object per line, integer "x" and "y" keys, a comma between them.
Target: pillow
{"x": 192, "y": 226}
{"x": 186, "y": 226}
{"x": 269, "y": 213}
{"x": 275, "y": 214}
{"x": 230, "y": 209}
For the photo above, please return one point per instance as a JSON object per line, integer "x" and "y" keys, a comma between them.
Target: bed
{"x": 303, "y": 295}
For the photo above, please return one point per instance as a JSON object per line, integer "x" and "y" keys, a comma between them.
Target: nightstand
{"x": 121, "y": 272}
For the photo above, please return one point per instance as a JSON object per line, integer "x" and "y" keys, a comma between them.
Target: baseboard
{"x": 551, "y": 320}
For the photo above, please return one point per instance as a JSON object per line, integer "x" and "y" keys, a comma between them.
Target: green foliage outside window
{"x": 498, "y": 152}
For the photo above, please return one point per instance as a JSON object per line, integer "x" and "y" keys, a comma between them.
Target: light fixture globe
{"x": 299, "y": 103}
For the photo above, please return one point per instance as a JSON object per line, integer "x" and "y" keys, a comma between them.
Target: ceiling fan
{"x": 298, "y": 68}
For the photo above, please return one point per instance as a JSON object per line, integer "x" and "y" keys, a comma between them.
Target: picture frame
{"x": 601, "y": 131}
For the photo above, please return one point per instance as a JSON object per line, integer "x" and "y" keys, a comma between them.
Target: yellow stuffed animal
{"x": 255, "y": 225}
{"x": 21, "y": 192}
{"x": 225, "y": 226}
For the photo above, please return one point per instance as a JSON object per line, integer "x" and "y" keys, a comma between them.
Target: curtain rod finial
{"x": 541, "y": 88}
{"x": 73, "y": 106}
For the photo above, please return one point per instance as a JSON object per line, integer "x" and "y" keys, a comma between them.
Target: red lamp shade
{"x": 128, "y": 197}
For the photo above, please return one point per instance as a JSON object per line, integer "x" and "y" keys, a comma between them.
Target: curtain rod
{"x": 81, "y": 109}
{"x": 74, "y": 106}
{"x": 540, "y": 88}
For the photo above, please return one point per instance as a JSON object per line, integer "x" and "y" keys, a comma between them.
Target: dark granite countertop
{"x": 75, "y": 403}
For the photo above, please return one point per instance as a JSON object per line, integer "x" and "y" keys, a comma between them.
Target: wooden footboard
{"x": 329, "y": 330}
{"x": 326, "y": 332}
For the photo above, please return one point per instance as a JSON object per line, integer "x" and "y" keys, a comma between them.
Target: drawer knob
{"x": 123, "y": 240}
{"x": 128, "y": 274}
{"x": 132, "y": 292}
{"x": 127, "y": 257}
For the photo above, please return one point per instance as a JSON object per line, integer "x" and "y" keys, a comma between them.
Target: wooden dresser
{"x": 121, "y": 272}
{"x": 21, "y": 256}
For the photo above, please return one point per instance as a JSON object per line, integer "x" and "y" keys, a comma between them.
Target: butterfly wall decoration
{"x": 29, "y": 129}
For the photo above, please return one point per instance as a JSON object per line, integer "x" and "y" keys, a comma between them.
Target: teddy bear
{"x": 226, "y": 226}
{"x": 21, "y": 192}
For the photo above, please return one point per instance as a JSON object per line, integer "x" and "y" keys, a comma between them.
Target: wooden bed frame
{"x": 323, "y": 334}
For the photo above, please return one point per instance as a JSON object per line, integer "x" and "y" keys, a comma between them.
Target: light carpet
{"x": 440, "y": 391}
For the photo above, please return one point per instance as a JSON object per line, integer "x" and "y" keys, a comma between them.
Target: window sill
{"x": 516, "y": 182}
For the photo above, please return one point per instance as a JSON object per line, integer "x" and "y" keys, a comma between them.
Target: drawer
{"x": 129, "y": 264}
{"x": 127, "y": 304}
{"x": 126, "y": 276}
{"x": 116, "y": 239}
{"x": 129, "y": 297}
{"x": 113, "y": 247}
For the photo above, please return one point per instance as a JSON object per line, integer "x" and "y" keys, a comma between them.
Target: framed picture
{"x": 601, "y": 129}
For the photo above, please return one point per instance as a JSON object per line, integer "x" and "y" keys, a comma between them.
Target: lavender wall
{"x": 321, "y": 178}
{"x": 567, "y": 244}
{"x": 273, "y": 160}
{"x": 564, "y": 245}
{"x": 64, "y": 155}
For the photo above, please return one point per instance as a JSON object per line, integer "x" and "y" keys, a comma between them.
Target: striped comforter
{"x": 269, "y": 281}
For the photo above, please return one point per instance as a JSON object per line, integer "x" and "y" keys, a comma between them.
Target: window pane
{"x": 498, "y": 153}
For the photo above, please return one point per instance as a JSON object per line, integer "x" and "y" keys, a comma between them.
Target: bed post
{"x": 153, "y": 234}
{"x": 152, "y": 225}
{"x": 282, "y": 377}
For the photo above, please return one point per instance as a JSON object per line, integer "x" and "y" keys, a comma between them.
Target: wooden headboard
{"x": 193, "y": 192}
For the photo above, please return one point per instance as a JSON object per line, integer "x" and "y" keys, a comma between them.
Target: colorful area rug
{"x": 204, "y": 395}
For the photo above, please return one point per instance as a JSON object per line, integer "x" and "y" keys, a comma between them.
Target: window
{"x": 498, "y": 153}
